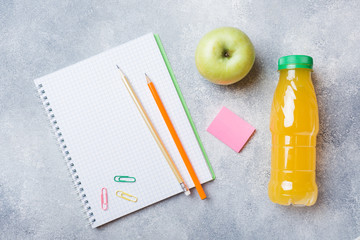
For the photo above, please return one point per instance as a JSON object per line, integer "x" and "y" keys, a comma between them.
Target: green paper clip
{"x": 124, "y": 179}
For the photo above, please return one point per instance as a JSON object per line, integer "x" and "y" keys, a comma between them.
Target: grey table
{"x": 39, "y": 37}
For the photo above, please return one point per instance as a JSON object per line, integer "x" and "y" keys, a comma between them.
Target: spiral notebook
{"x": 102, "y": 135}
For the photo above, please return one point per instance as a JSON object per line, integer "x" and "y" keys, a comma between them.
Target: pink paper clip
{"x": 104, "y": 199}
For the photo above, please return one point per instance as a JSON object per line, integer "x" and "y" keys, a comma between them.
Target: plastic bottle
{"x": 294, "y": 125}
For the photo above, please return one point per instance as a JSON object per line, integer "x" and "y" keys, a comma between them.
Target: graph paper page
{"x": 104, "y": 135}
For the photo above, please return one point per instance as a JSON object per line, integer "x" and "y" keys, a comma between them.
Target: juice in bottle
{"x": 294, "y": 125}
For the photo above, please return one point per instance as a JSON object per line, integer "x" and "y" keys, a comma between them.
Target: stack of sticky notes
{"x": 231, "y": 129}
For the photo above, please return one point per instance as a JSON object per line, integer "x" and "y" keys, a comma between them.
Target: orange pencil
{"x": 176, "y": 138}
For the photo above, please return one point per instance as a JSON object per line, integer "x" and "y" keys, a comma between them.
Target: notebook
{"x": 102, "y": 134}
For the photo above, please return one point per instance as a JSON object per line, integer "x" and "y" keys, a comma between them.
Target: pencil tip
{"x": 147, "y": 78}
{"x": 121, "y": 72}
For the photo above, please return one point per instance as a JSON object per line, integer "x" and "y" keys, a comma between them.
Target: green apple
{"x": 225, "y": 55}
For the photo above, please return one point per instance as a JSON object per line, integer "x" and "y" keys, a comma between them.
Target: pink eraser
{"x": 231, "y": 129}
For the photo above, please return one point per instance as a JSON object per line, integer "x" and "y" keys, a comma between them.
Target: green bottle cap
{"x": 295, "y": 61}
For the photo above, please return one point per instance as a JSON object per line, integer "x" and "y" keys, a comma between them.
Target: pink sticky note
{"x": 231, "y": 129}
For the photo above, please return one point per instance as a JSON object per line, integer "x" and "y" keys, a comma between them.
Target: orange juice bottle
{"x": 294, "y": 125}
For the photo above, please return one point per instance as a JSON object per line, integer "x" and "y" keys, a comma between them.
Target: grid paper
{"x": 105, "y": 134}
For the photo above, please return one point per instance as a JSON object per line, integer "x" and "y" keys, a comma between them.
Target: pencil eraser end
{"x": 187, "y": 193}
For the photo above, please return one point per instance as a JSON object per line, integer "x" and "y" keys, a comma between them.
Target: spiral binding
{"x": 67, "y": 156}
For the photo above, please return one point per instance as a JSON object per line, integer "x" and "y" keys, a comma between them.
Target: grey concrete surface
{"x": 39, "y": 37}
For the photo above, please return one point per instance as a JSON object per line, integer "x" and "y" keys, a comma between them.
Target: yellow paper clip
{"x": 126, "y": 196}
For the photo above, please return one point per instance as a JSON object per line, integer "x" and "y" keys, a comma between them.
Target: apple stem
{"x": 226, "y": 54}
